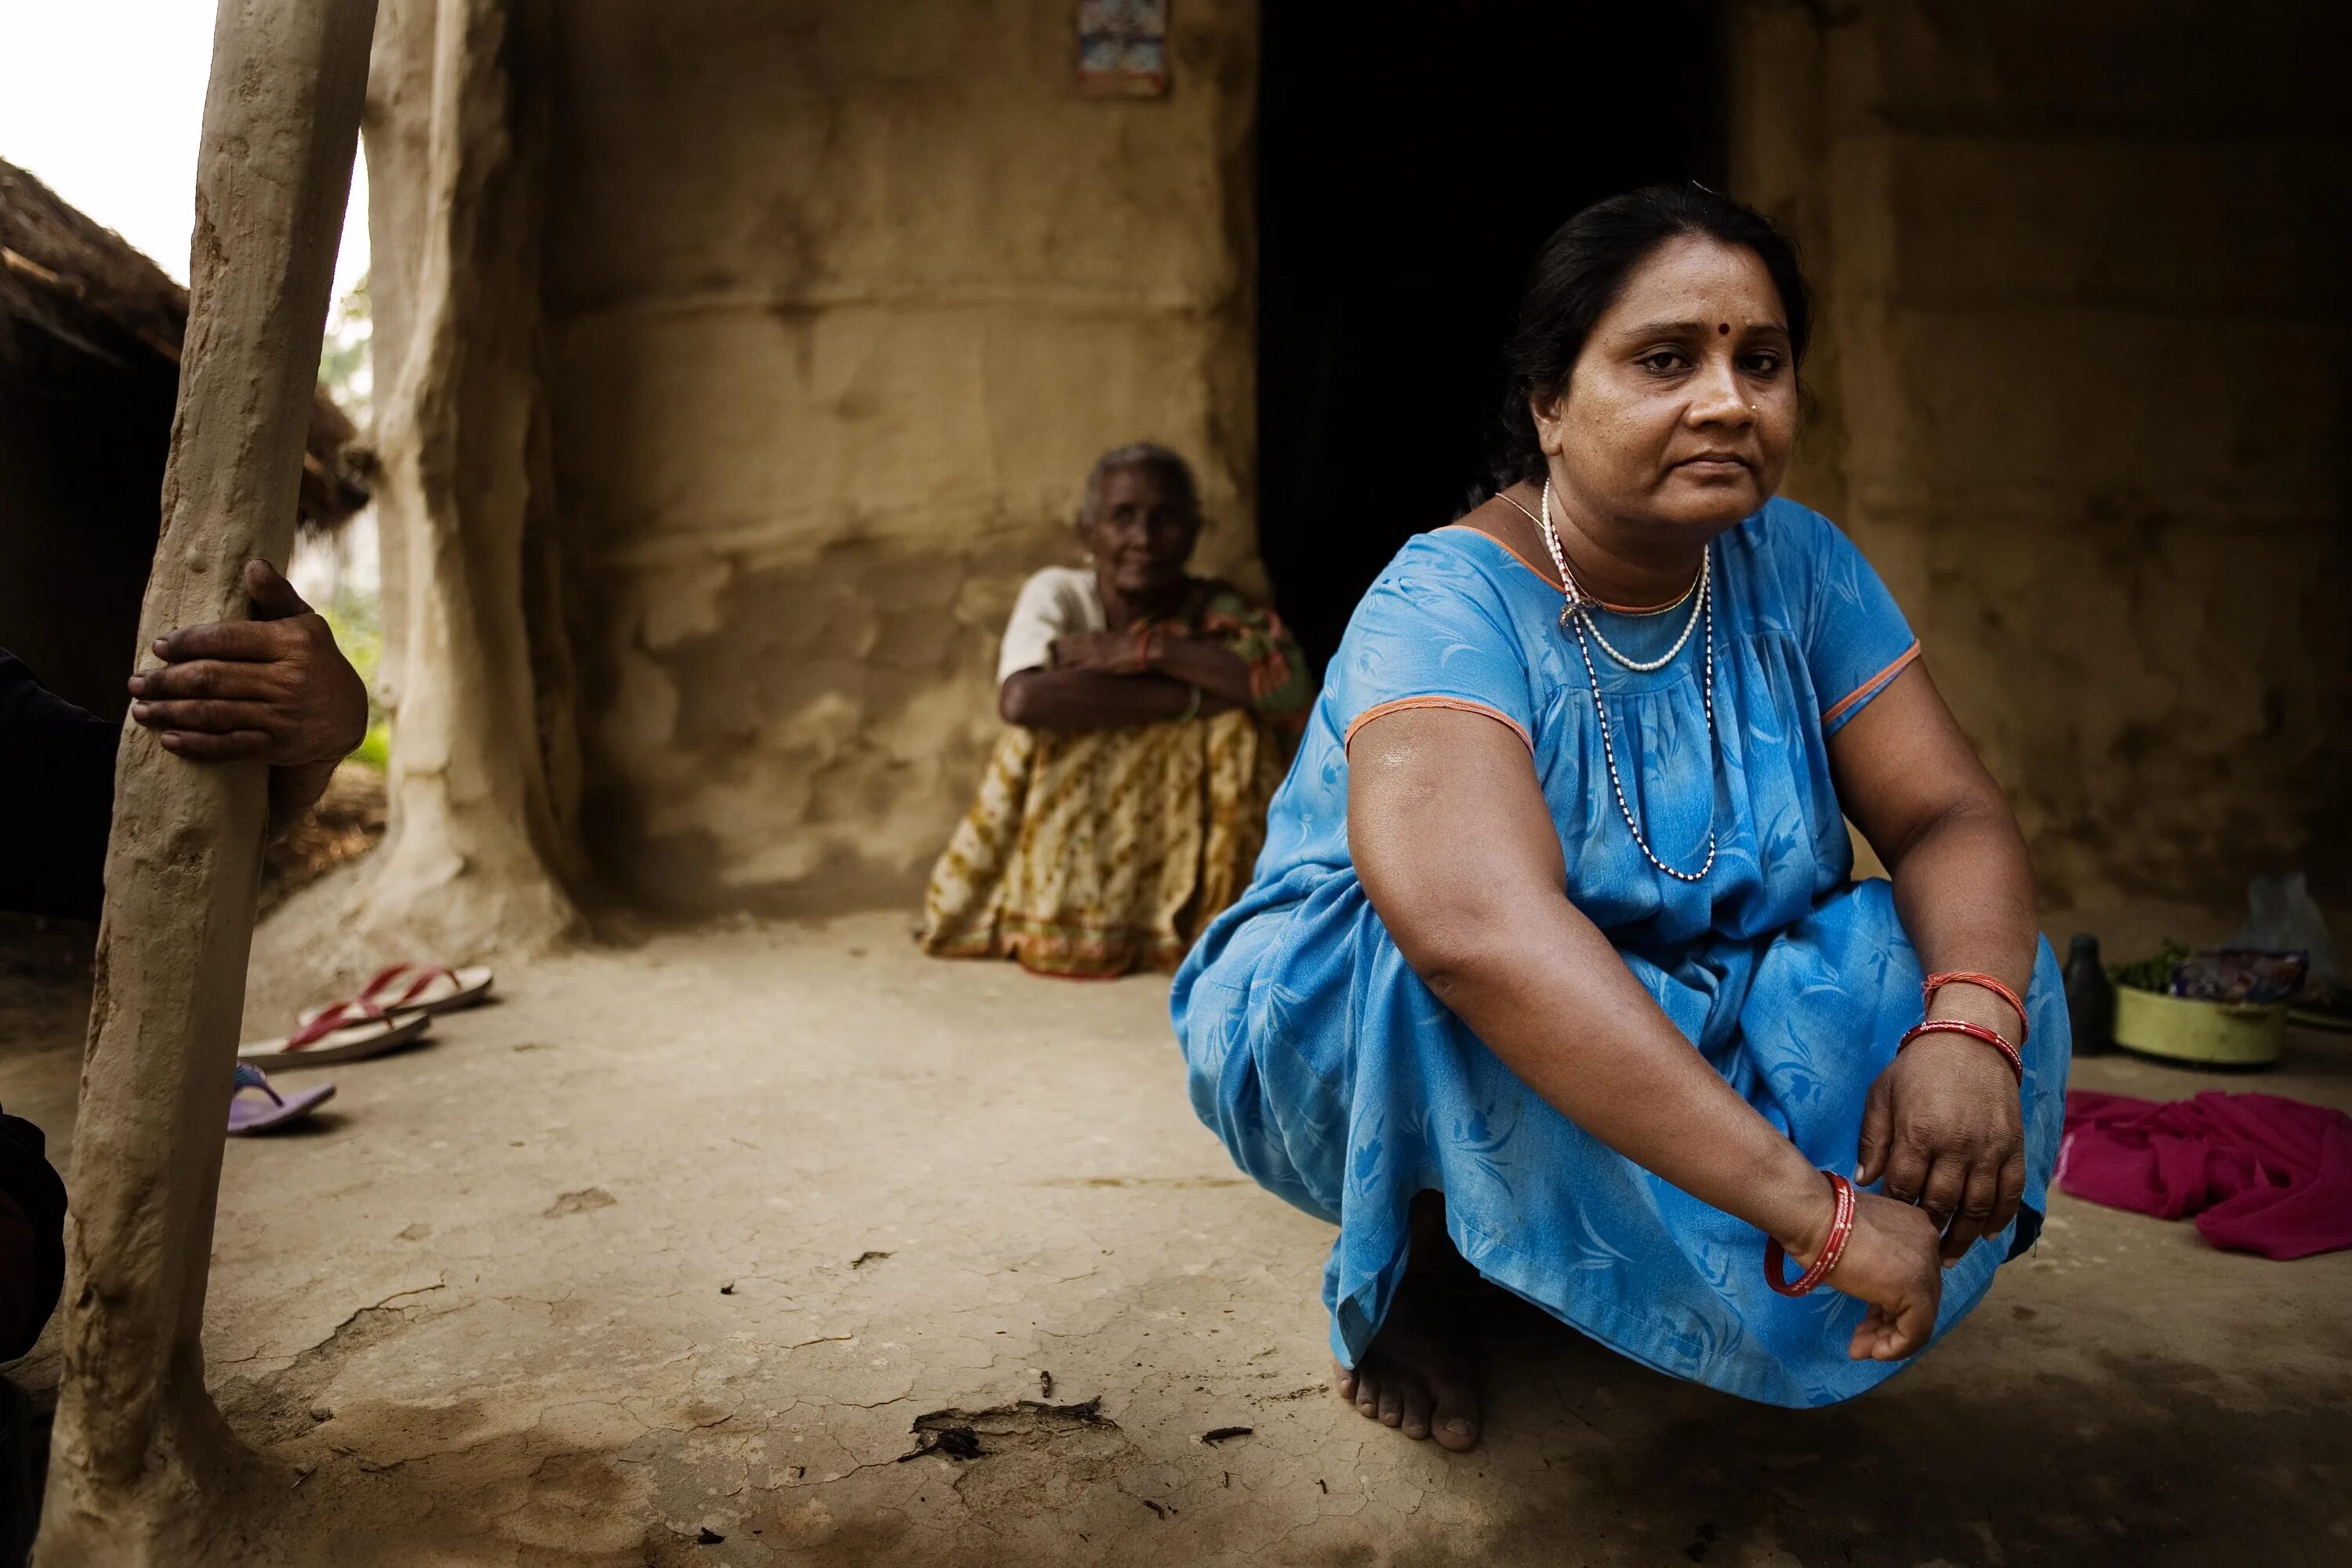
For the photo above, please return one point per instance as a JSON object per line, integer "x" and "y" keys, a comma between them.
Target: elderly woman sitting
{"x": 1151, "y": 713}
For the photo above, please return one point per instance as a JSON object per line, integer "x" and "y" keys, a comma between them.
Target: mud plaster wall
{"x": 842, "y": 300}
{"x": 2082, "y": 396}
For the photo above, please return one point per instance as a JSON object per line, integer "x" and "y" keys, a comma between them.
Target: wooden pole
{"x": 143, "y": 1468}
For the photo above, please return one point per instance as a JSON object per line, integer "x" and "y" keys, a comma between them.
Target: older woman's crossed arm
{"x": 1450, "y": 835}
{"x": 1107, "y": 681}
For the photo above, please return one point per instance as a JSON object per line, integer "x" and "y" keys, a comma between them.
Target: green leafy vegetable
{"x": 2151, "y": 973}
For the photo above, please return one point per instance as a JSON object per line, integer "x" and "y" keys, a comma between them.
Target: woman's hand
{"x": 1105, "y": 653}
{"x": 1942, "y": 1125}
{"x": 1890, "y": 1262}
{"x": 1222, "y": 675}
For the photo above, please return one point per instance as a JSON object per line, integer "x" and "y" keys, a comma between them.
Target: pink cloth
{"x": 2261, "y": 1173}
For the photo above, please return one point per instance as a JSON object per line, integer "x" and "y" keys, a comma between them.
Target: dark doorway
{"x": 1412, "y": 160}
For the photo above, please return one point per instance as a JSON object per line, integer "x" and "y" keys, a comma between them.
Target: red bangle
{"x": 1974, "y": 1031}
{"x": 1840, "y": 1227}
{"x": 1935, "y": 983}
{"x": 1142, "y": 647}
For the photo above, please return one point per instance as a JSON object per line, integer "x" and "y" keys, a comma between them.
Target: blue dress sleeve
{"x": 1435, "y": 631}
{"x": 1855, "y": 638}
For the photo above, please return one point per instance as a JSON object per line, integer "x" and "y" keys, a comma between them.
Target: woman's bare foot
{"x": 1417, "y": 1375}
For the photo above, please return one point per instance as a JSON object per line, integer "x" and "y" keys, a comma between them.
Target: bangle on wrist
{"x": 1934, "y": 982}
{"x": 1840, "y": 1228}
{"x": 1192, "y": 708}
{"x": 1992, "y": 1037}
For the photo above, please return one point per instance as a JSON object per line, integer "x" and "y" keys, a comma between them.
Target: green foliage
{"x": 375, "y": 747}
{"x": 344, "y": 368}
{"x": 357, "y": 621}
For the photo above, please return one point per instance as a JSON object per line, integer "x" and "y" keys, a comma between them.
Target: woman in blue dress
{"x": 1554, "y": 967}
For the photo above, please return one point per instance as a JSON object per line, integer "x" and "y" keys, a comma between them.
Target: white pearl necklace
{"x": 1577, "y": 599}
{"x": 1576, "y": 617}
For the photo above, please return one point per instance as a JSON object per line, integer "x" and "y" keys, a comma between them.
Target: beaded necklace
{"x": 1576, "y": 618}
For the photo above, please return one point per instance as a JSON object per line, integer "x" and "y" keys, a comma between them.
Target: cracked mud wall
{"x": 842, "y": 300}
{"x": 2082, "y": 396}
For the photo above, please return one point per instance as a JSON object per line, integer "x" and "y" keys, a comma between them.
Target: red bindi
{"x": 1724, "y": 328}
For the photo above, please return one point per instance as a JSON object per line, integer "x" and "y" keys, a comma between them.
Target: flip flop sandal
{"x": 247, "y": 1117}
{"x": 346, "y": 1032}
{"x": 422, "y": 988}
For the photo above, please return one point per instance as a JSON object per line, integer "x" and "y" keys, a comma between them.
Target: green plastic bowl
{"x": 2210, "y": 1034}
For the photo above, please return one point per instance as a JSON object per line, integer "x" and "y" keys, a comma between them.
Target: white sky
{"x": 104, "y": 99}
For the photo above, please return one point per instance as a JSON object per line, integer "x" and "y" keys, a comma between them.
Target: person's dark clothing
{"x": 32, "y": 1236}
{"x": 56, "y": 801}
{"x": 57, "y": 798}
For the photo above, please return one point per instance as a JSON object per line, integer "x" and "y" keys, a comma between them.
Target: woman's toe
{"x": 1368, "y": 1392}
{"x": 1392, "y": 1403}
{"x": 1454, "y": 1414}
{"x": 1416, "y": 1412}
{"x": 1343, "y": 1379}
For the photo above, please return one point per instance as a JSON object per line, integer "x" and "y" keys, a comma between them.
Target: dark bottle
{"x": 2090, "y": 998}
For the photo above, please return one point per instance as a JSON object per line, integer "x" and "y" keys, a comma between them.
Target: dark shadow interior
{"x": 1411, "y": 162}
{"x": 82, "y": 444}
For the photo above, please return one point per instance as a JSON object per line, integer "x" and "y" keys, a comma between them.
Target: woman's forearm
{"x": 1908, "y": 778}
{"x": 294, "y": 790}
{"x": 1071, "y": 702}
{"x": 1543, "y": 988}
{"x": 1217, "y": 670}
{"x": 1964, "y": 891}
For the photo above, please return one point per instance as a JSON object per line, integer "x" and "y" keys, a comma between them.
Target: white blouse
{"x": 1058, "y": 602}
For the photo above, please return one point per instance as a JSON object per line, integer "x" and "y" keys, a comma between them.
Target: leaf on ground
{"x": 580, "y": 1202}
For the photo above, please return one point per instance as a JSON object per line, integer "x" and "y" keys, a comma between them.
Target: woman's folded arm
{"x": 1071, "y": 702}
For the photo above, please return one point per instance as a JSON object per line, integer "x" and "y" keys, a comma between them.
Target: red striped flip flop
{"x": 345, "y": 1032}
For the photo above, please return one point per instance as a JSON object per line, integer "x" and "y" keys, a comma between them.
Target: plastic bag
{"x": 2238, "y": 974}
{"x": 2285, "y": 919}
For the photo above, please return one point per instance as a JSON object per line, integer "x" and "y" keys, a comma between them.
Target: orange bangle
{"x": 1935, "y": 983}
{"x": 1993, "y": 1037}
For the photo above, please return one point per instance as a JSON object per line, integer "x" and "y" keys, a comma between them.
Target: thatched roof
{"x": 72, "y": 284}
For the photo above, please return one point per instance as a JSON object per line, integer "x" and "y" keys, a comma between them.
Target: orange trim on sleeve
{"x": 1459, "y": 705}
{"x": 1508, "y": 549}
{"x": 1861, "y": 694}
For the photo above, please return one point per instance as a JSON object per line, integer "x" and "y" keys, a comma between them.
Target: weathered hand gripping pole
{"x": 144, "y": 1470}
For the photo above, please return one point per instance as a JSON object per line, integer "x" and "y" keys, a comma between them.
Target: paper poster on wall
{"x": 1123, "y": 47}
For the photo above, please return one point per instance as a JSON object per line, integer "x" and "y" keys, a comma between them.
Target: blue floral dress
{"x": 1340, "y": 1083}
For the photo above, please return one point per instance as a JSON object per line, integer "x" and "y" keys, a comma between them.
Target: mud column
{"x": 142, "y": 1469}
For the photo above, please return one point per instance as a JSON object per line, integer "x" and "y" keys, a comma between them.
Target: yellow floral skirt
{"x": 1090, "y": 856}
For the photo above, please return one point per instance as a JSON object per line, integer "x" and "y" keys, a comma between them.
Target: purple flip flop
{"x": 247, "y": 1117}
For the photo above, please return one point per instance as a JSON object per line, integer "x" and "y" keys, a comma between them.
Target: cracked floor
{"x": 676, "y": 1253}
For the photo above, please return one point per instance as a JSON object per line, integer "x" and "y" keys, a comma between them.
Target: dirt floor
{"x": 778, "y": 1243}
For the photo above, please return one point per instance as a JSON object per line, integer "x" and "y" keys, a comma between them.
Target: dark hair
{"x": 1174, "y": 471}
{"x": 1582, "y": 270}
